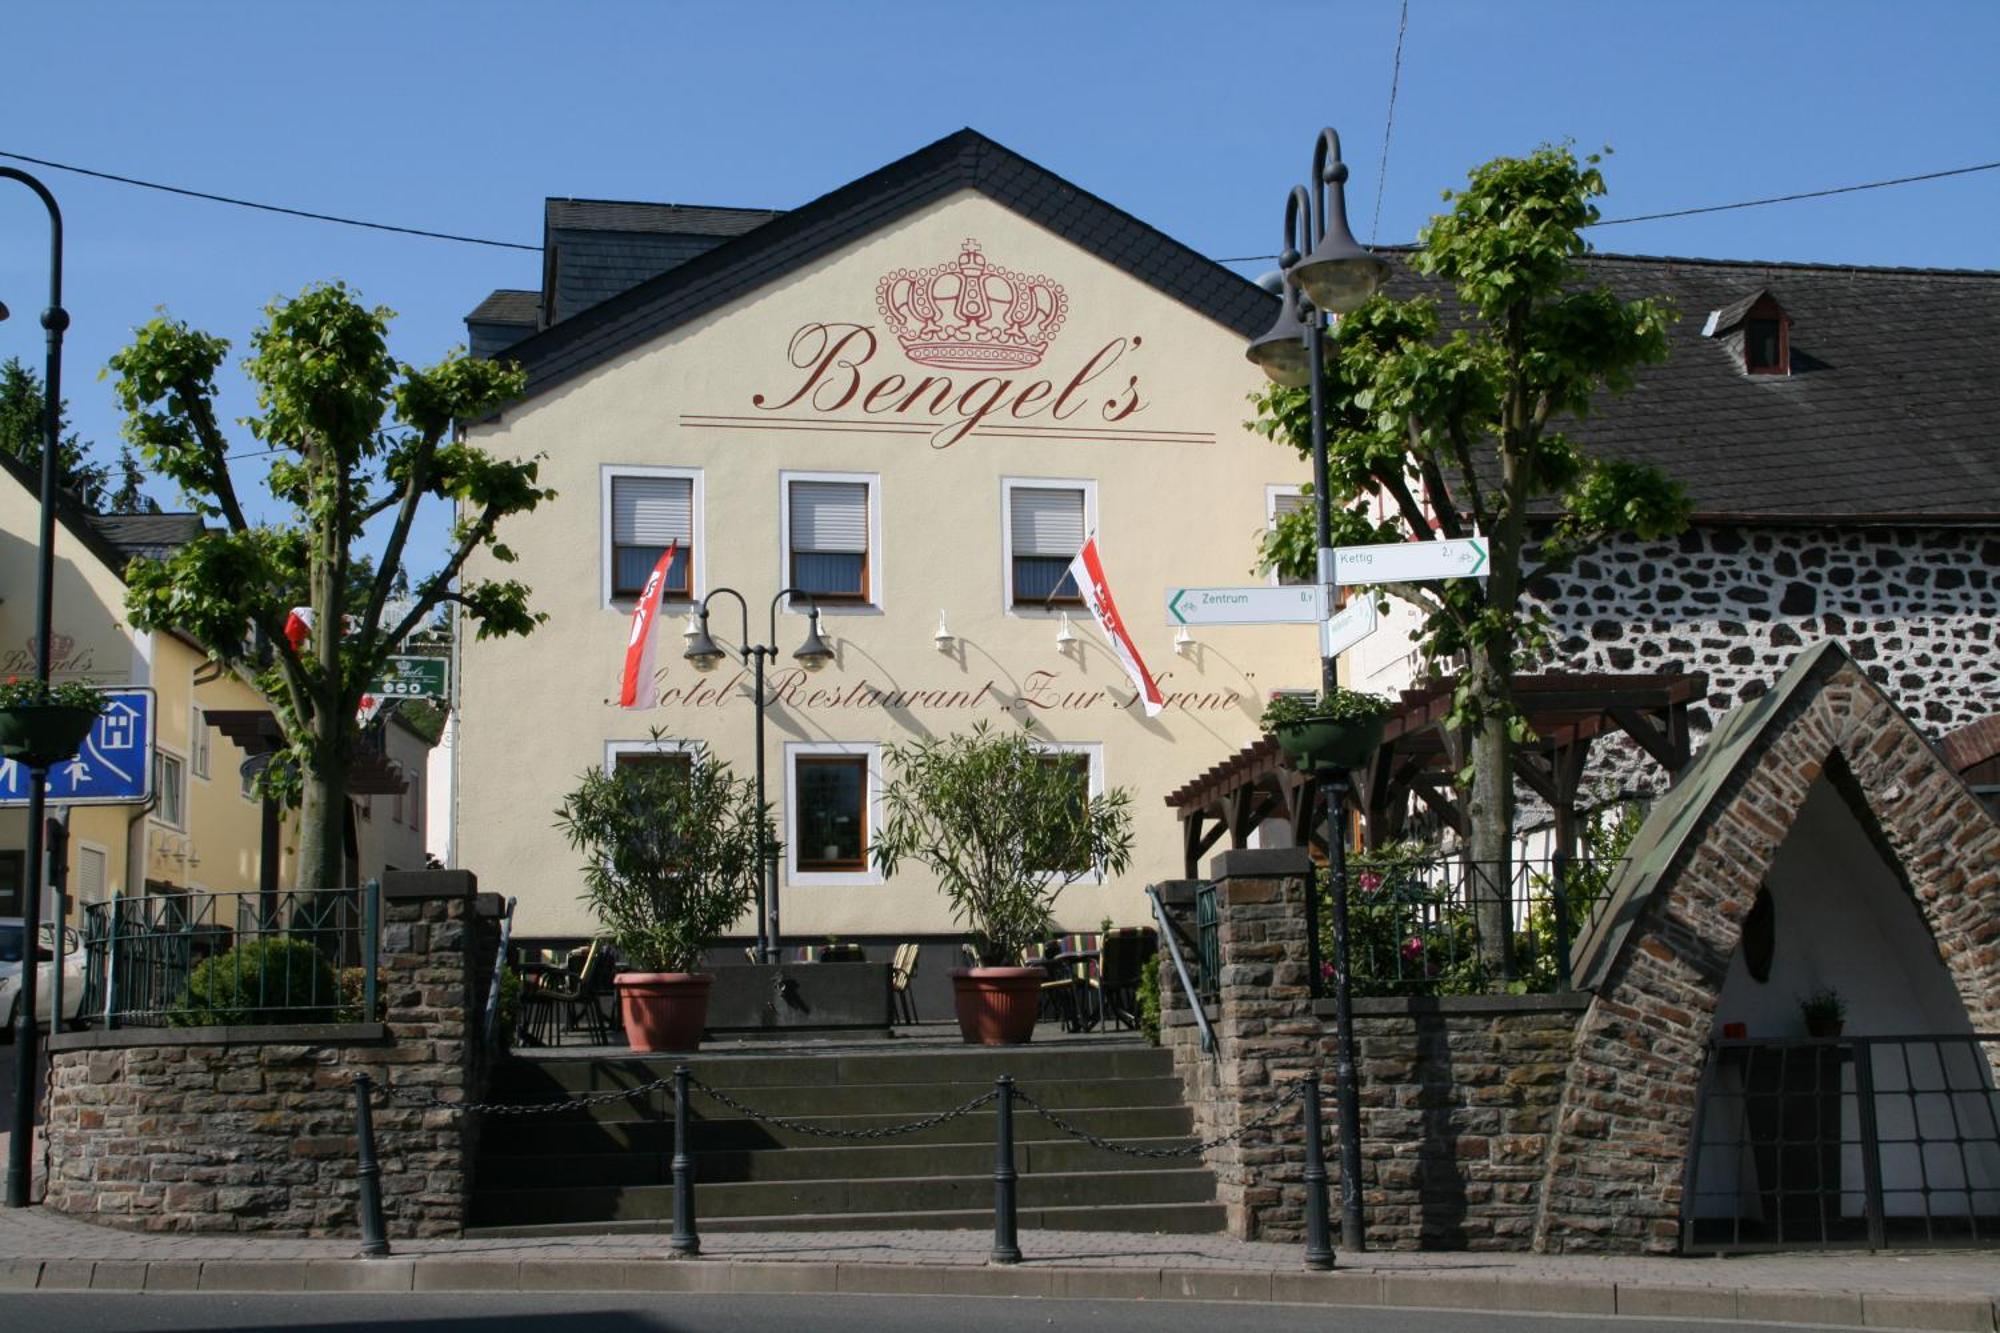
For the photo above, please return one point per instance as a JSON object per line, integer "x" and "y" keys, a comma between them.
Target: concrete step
{"x": 1173, "y": 1219}
{"x": 908, "y": 1100}
{"x": 890, "y": 1195}
{"x": 566, "y": 1134}
{"x": 520, "y": 1078}
{"x": 851, "y": 1162}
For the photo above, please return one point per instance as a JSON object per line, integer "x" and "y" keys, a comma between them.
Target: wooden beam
{"x": 1650, "y": 738}
{"x": 1427, "y": 787}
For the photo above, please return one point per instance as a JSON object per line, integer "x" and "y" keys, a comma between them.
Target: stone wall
{"x": 252, "y": 1129}
{"x": 1458, "y": 1096}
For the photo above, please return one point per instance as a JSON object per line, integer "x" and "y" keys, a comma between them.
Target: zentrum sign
{"x": 965, "y": 315}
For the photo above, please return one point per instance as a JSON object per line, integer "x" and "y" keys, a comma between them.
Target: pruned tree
{"x": 1459, "y": 429}
{"x": 361, "y": 442}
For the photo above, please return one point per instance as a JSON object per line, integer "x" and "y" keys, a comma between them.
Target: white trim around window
{"x": 1008, "y": 485}
{"x": 698, "y": 571}
{"x": 1094, "y": 752}
{"x": 794, "y": 751}
{"x": 612, "y": 749}
{"x": 875, "y": 567}
{"x": 200, "y": 743}
{"x": 1274, "y": 496}
{"x": 162, "y": 758}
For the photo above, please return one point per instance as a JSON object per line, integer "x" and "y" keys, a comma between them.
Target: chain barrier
{"x": 886, "y": 1132}
{"x": 1192, "y": 1150}
{"x": 418, "y": 1097}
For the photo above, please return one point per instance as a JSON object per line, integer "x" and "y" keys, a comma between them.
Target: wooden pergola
{"x": 1566, "y": 712}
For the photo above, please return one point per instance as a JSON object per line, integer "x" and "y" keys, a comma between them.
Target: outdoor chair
{"x": 902, "y": 971}
{"x": 1062, "y": 987}
{"x": 554, "y": 1004}
{"x": 1122, "y": 958}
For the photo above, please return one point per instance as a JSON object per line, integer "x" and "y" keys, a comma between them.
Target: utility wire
{"x": 268, "y": 208}
{"x": 1389, "y": 124}
{"x": 1747, "y": 203}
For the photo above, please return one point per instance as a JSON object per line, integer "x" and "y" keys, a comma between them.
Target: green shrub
{"x": 1149, "y": 1000}
{"x": 261, "y": 981}
{"x": 351, "y": 979}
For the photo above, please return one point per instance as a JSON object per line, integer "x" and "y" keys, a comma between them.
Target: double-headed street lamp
{"x": 813, "y": 654}
{"x": 20, "y": 1163}
{"x": 1335, "y": 278}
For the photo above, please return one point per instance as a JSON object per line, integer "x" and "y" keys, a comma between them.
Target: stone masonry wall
{"x": 252, "y": 1129}
{"x": 1458, "y": 1097}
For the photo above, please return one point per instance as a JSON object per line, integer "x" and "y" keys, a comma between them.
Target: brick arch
{"x": 1614, "y": 1172}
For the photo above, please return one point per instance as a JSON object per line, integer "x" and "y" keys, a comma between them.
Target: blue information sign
{"x": 115, "y": 766}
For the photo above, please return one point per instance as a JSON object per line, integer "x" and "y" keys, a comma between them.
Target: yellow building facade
{"x": 915, "y": 396}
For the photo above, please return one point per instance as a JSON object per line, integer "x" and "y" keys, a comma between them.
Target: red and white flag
{"x": 298, "y": 626}
{"x": 1088, "y": 571}
{"x": 645, "y": 631}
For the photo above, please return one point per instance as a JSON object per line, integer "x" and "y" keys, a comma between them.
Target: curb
{"x": 1282, "y": 1286}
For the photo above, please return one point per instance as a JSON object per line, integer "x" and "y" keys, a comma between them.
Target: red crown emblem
{"x": 969, "y": 314}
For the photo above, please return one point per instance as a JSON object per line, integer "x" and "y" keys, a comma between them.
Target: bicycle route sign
{"x": 114, "y": 767}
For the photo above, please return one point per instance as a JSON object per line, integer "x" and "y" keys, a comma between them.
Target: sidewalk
{"x": 1932, "y": 1290}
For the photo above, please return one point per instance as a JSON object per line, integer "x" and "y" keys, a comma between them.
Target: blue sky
{"x": 461, "y": 117}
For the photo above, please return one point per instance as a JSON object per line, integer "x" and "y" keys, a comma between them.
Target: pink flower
{"x": 1369, "y": 881}
{"x": 1413, "y": 948}
{"x": 1326, "y": 971}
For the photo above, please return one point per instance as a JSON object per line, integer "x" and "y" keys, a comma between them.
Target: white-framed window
{"x": 198, "y": 742}
{"x": 170, "y": 783}
{"x": 1086, "y": 759}
{"x": 830, "y": 526}
{"x": 92, "y": 871}
{"x": 645, "y": 509}
{"x": 1043, "y": 523}
{"x": 833, "y": 805}
{"x": 619, "y": 754}
{"x": 1278, "y": 502}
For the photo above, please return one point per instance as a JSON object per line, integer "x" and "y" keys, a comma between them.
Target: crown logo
{"x": 60, "y": 646}
{"x": 970, "y": 314}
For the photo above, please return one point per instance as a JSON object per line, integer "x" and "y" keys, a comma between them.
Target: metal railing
{"x": 202, "y": 959}
{"x": 1845, "y": 1142}
{"x": 1170, "y": 937}
{"x": 1208, "y": 941}
{"x": 1446, "y": 925}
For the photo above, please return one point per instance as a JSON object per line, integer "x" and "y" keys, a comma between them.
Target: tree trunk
{"x": 1490, "y": 811}
{"x": 323, "y": 829}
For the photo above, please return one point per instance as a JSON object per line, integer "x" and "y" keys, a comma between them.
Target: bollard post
{"x": 1319, "y": 1246}
{"x": 1006, "y": 1246}
{"x": 684, "y": 1240}
{"x": 374, "y": 1240}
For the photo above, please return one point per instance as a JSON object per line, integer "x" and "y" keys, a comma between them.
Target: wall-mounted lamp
{"x": 944, "y": 639}
{"x": 693, "y": 626}
{"x": 1183, "y": 642}
{"x": 1065, "y": 637}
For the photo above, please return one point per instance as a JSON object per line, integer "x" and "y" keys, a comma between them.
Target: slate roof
{"x": 787, "y": 241}
{"x": 509, "y": 305}
{"x": 1891, "y": 412}
{"x": 150, "y": 535}
{"x": 593, "y": 249}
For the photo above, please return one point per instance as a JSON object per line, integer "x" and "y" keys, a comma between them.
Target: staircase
{"x": 610, "y": 1167}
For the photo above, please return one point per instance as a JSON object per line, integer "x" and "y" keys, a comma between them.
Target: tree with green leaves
{"x": 361, "y": 441}
{"x": 22, "y": 401}
{"x": 1460, "y": 429}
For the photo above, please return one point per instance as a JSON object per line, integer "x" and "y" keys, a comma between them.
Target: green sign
{"x": 411, "y": 678}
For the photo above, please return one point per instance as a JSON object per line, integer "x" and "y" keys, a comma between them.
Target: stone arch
{"x": 1657, "y": 957}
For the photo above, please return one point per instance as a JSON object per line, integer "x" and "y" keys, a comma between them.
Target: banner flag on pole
{"x": 1088, "y": 571}
{"x": 645, "y": 631}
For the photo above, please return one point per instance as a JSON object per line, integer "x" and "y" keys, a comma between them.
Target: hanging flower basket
{"x": 1320, "y": 744}
{"x": 41, "y": 726}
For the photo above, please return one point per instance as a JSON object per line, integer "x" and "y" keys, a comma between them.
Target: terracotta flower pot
{"x": 663, "y": 1011}
{"x": 1320, "y": 744}
{"x": 997, "y": 1006}
{"x": 43, "y": 735}
{"x": 1825, "y": 1027}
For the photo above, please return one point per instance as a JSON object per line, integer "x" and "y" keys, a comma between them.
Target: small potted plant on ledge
{"x": 1339, "y": 729}
{"x": 675, "y": 856}
{"x": 42, "y": 725}
{"x": 1006, "y": 825}
{"x": 1824, "y": 1011}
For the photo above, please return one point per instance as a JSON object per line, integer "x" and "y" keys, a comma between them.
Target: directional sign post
{"x": 1410, "y": 562}
{"x": 410, "y": 678}
{"x": 1353, "y": 624}
{"x": 115, "y": 766}
{"x": 1296, "y": 604}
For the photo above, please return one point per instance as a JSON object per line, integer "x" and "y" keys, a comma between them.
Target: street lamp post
{"x": 1335, "y": 277}
{"x": 813, "y": 654}
{"x": 20, "y": 1161}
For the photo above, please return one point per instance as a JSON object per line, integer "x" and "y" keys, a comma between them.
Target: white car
{"x": 12, "y": 935}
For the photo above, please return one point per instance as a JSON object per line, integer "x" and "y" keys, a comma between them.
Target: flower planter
{"x": 1324, "y": 744}
{"x": 663, "y": 1011}
{"x": 997, "y": 1006}
{"x": 1825, "y": 1027}
{"x": 43, "y": 735}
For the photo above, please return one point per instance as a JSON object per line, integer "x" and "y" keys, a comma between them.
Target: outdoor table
{"x": 1078, "y": 962}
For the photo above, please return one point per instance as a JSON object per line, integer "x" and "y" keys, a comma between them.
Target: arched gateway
{"x": 1695, "y": 1112}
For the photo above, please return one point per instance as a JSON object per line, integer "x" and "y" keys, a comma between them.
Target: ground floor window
{"x": 832, "y": 795}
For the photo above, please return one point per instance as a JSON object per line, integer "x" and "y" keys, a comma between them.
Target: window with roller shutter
{"x": 648, "y": 512}
{"x": 1046, "y": 522}
{"x": 827, "y": 524}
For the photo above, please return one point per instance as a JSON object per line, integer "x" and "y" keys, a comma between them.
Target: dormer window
{"x": 1764, "y": 344}
{"x": 1757, "y": 330}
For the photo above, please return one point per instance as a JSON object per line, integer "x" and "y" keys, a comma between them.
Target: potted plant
{"x": 674, "y": 858}
{"x": 1006, "y": 826}
{"x": 1338, "y": 730}
{"x": 1824, "y": 1011}
{"x": 42, "y": 725}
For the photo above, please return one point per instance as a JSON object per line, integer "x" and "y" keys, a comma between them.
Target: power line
{"x": 268, "y": 208}
{"x": 1747, "y": 203}
{"x": 1389, "y": 124}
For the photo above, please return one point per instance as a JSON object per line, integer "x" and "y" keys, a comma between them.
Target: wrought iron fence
{"x": 200, "y": 959}
{"x": 1862, "y": 1141}
{"x": 1208, "y": 942}
{"x": 1436, "y": 924}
